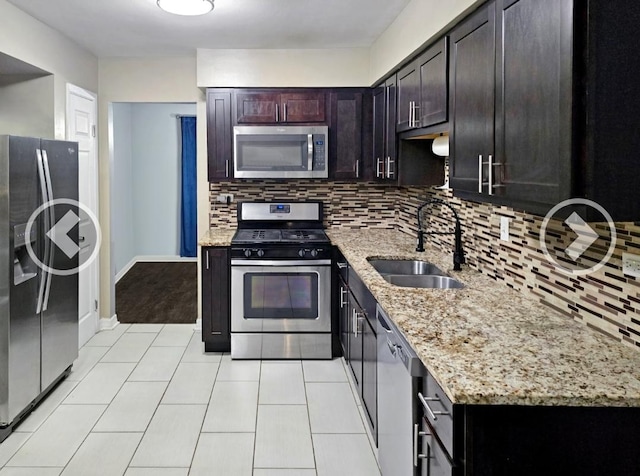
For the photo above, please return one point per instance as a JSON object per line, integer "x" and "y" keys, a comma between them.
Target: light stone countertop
{"x": 488, "y": 344}
{"x": 217, "y": 237}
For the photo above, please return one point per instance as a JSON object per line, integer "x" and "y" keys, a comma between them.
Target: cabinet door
{"x": 257, "y": 107}
{"x": 384, "y": 131}
{"x": 472, "y": 105}
{"x": 434, "y": 85}
{"x": 357, "y": 317}
{"x": 390, "y": 137}
{"x": 216, "y": 313}
{"x": 533, "y": 101}
{"x": 346, "y": 135}
{"x": 408, "y": 97}
{"x": 370, "y": 376}
{"x": 302, "y": 107}
{"x": 219, "y": 135}
{"x": 379, "y": 131}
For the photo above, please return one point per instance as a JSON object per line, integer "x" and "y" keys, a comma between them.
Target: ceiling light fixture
{"x": 186, "y": 7}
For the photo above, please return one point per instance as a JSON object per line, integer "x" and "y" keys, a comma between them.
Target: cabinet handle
{"x": 341, "y": 265}
{"x": 226, "y": 168}
{"x": 207, "y": 252}
{"x": 284, "y": 112}
{"x": 357, "y": 168}
{"x": 343, "y": 295}
{"x": 480, "y": 173}
{"x": 434, "y": 414}
{"x": 490, "y": 174}
{"x": 379, "y": 168}
{"x": 390, "y": 173}
{"x": 354, "y": 322}
{"x": 416, "y": 434}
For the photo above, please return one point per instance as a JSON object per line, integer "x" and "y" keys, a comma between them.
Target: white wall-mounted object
{"x": 504, "y": 228}
{"x": 440, "y": 146}
{"x": 631, "y": 264}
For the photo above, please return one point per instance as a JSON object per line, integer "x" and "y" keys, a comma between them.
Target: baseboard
{"x": 151, "y": 259}
{"x": 198, "y": 324}
{"x": 120, "y": 274}
{"x": 109, "y": 323}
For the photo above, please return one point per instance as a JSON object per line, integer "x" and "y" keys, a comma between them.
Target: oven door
{"x": 280, "y": 296}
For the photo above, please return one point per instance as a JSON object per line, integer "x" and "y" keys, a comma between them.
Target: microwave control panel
{"x": 319, "y": 144}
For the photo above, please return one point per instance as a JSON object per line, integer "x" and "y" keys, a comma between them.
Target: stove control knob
{"x": 301, "y": 253}
{"x": 314, "y": 253}
{"x": 260, "y": 253}
{"x": 247, "y": 253}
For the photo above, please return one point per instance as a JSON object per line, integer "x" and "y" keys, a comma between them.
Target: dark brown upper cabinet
{"x": 511, "y": 106}
{"x": 384, "y": 132}
{"x": 423, "y": 89}
{"x": 219, "y": 135}
{"x": 276, "y": 107}
{"x": 350, "y": 134}
{"x": 541, "y": 105}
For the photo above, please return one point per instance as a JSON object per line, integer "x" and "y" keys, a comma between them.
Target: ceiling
{"x": 140, "y": 28}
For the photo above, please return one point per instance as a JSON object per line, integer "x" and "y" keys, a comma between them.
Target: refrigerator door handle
{"x": 43, "y": 191}
{"x": 52, "y": 220}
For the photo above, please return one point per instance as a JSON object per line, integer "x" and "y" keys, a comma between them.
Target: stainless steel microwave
{"x": 280, "y": 151}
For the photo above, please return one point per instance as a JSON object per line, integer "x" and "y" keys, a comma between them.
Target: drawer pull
{"x": 416, "y": 455}
{"x": 424, "y": 400}
{"x": 342, "y": 265}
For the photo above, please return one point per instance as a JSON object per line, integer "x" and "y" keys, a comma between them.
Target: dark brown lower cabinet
{"x": 216, "y": 311}
{"x": 370, "y": 374}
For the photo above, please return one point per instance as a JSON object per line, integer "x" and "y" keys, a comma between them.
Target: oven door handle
{"x": 284, "y": 262}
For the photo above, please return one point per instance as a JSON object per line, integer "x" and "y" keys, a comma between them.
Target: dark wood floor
{"x": 158, "y": 293}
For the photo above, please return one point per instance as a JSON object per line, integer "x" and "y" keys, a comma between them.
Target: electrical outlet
{"x": 225, "y": 198}
{"x": 504, "y": 228}
{"x": 631, "y": 264}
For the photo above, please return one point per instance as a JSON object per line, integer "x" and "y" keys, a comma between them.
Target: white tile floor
{"x": 145, "y": 400}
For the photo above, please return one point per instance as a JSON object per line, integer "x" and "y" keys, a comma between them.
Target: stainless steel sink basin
{"x": 405, "y": 267}
{"x": 423, "y": 281}
{"x": 414, "y": 274}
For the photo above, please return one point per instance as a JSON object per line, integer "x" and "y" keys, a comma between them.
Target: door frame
{"x": 87, "y": 327}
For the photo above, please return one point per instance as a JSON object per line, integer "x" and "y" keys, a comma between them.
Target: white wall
{"x": 122, "y": 231}
{"x": 27, "y": 106}
{"x": 282, "y": 68}
{"x": 420, "y": 21}
{"x": 31, "y": 41}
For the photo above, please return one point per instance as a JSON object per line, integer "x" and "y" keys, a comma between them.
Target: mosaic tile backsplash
{"x": 606, "y": 300}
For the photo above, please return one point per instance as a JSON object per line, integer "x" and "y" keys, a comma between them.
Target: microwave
{"x": 280, "y": 152}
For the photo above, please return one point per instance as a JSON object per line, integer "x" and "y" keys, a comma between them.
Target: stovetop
{"x": 279, "y": 236}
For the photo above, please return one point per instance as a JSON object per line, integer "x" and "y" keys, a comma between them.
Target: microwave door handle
{"x": 310, "y": 151}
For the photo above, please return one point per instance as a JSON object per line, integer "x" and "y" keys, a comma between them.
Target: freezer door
{"x": 60, "y": 309}
{"x": 19, "y": 278}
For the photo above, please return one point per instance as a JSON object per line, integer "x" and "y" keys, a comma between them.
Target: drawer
{"x": 433, "y": 459}
{"x": 438, "y": 411}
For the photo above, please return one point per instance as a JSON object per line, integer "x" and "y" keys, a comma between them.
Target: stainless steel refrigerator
{"x": 38, "y": 305}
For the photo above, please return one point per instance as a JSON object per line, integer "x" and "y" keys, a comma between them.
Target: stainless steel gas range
{"x": 280, "y": 282}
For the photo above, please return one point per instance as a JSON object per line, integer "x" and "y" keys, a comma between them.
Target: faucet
{"x": 458, "y": 253}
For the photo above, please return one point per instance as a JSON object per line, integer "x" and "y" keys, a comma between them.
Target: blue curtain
{"x": 188, "y": 226}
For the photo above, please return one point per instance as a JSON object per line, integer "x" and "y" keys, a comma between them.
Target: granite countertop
{"x": 217, "y": 237}
{"x": 488, "y": 344}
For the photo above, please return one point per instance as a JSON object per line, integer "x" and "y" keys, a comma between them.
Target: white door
{"x": 81, "y": 127}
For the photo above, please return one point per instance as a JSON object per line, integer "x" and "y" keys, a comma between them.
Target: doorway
{"x": 153, "y": 282}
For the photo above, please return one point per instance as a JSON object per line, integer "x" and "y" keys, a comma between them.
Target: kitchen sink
{"x": 423, "y": 281}
{"x": 414, "y": 274}
{"x": 405, "y": 267}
